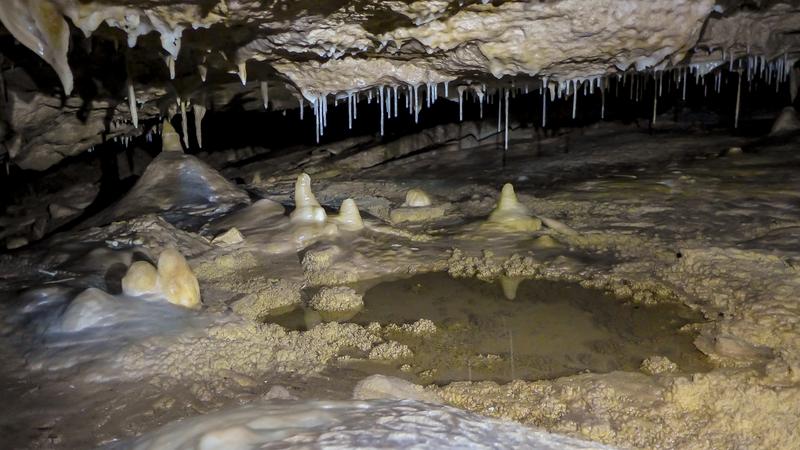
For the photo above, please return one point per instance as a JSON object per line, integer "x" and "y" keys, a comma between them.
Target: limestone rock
{"x": 338, "y": 298}
{"x": 656, "y": 365}
{"x": 88, "y": 309}
{"x": 382, "y": 387}
{"x": 230, "y": 237}
{"x": 268, "y": 297}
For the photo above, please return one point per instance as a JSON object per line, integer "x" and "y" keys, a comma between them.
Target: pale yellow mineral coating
{"x": 512, "y": 215}
{"x": 176, "y": 280}
{"x": 349, "y": 218}
{"x": 142, "y": 278}
{"x": 307, "y": 208}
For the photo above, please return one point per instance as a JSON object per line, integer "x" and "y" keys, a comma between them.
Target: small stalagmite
{"x": 416, "y": 198}
{"x": 307, "y": 208}
{"x": 173, "y": 280}
{"x": 176, "y": 281}
{"x": 141, "y": 279}
{"x": 349, "y": 218}
{"x": 170, "y": 140}
{"x": 512, "y": 215}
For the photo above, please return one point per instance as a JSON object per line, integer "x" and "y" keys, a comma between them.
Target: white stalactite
{"x": 241, "y": 70}
{"x": 574, "y": 99}
{"x": 505, "y": 145}
{"x": 655, "y": 105}
{"x": 461, "y": 103}
{"x": 265, "y": 94}
{"x": 171, "y": 66}
{"x": 544, "y": 105}
{"x": 199, "y": 113}
{"x": 380, "y": 107}
{"x": 499, "y": 111}
{"x": 184, "y": 124}
{"x": 738, "y": 98}
{"x": 132, "y": 104}
{"x": 349, "y": 111}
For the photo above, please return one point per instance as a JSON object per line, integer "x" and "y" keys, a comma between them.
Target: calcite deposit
{"x": 296, "y": 224}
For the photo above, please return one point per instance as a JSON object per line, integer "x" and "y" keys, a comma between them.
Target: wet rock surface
{"x": 680, "y": 225}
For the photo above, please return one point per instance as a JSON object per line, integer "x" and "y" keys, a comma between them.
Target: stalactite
{"x": 461, "y": 103}
{"x": 380, "y": 104}
{"x": 184, "y": 124}
{"x": 603, "y": 101}
{"x": 574, "y": 99}
{"x": 349, "y": 111}
{"x": 171, "y": 66}
{"x": 738, "y": 98}
{"x": 265, "y": 94}
{"x": 132, "y": 104}
{"x": 241, "y": 70}
{"x": 499, "y": 111}
{"x": 655, "y": 104}
{"x": 199, "y": 112}
{"x": 505, "y": 145}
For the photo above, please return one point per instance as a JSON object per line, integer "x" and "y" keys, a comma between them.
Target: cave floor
{"x": 663, "y": 218}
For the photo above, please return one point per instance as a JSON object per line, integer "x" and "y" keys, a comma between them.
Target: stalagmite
{"x": 349, "y": 218}
{"x": 176, "y": 281}
{"x": 173, "y": 280}
{"x": 132, "y": 104}
{"x": 184, "y": 124}
{"x": 265, "y": 94}
{"x": 512, "y": 215}
{"x": 199, "y": 113}
{"x": 307, "y": 208}
{"x": 242, "y": 72}
{"x": 416, "y": 198}
{"x": 170, "y": 141}
{"x": 141, "y": 279}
